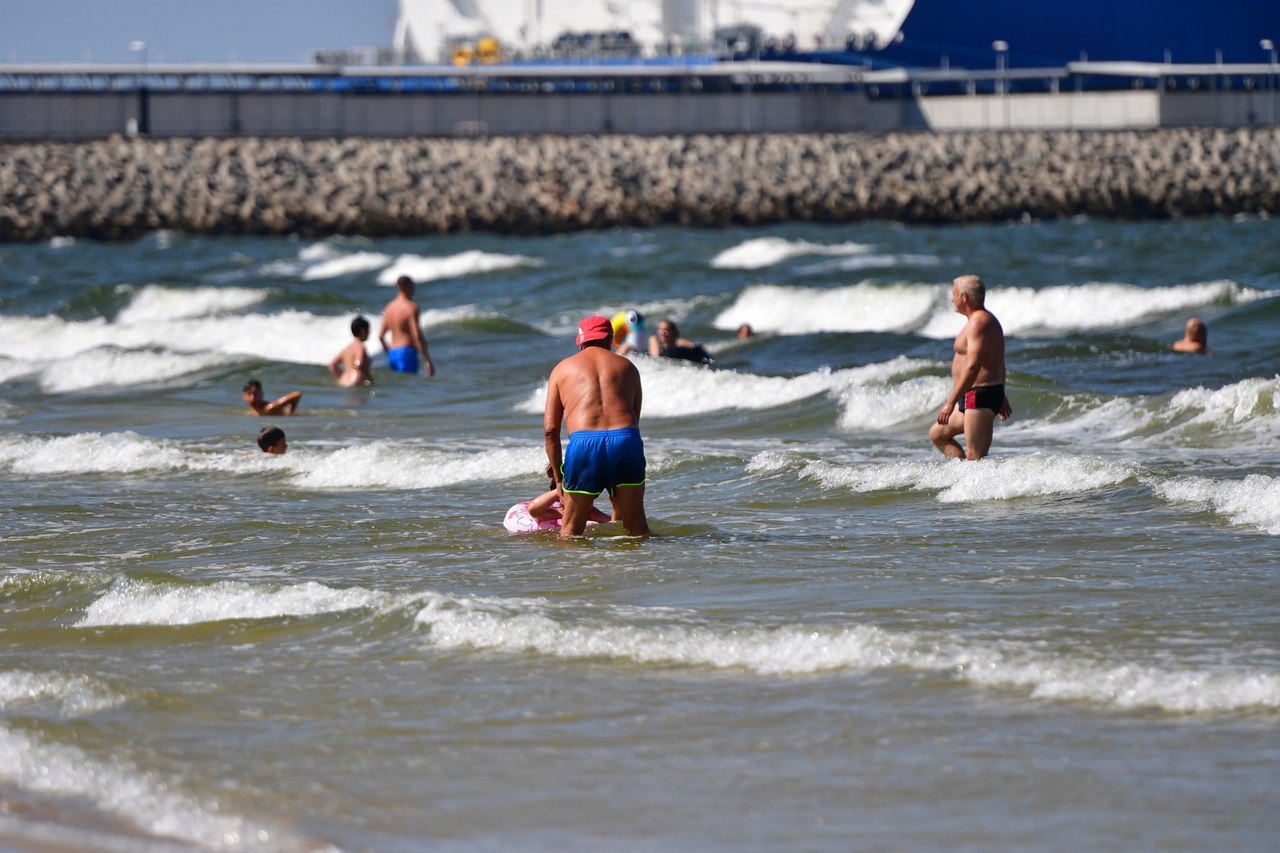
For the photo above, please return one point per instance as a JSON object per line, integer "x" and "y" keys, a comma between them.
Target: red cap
{"x": 594, "y": 329}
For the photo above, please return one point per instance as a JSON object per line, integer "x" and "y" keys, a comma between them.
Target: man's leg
{"x": 628, "y": 505}
{"x": 978, "y": 427}
{"x": 943, "y": 436}
{"x": 576, "y": 511}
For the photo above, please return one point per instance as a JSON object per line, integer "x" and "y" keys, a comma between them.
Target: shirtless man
{"x": 977, "y": 372}
{"x": 400, "y": 319}
{"x": 351, "y": 366}
{"x": 596, "y": 395}
{"x": 258, "y": 405}
{"x": 1196, "y": 338}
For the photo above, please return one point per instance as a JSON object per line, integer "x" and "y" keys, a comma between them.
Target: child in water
{"x": 351, "y": 366}
{"x": 272, "y": 440}
{"x": 546, "y": 508}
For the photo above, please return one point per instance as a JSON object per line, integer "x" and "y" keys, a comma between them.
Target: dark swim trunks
{"x": 695, "y": 353}
{"x": 403, "y": 359}
{"x": 987, "y": 397}
{"x": 596, "y": 460}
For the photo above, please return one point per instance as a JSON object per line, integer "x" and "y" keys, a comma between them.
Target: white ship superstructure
{"x": 427, "y": 29}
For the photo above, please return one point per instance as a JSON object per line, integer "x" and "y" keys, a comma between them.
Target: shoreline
{"x": 119, "y": 189}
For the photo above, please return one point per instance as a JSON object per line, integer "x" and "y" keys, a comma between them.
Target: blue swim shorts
{"x": 596, "y": 460}
{"x": 403, "y": 359}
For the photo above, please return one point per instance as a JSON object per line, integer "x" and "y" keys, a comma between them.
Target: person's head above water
{"x": 594, "y": 330}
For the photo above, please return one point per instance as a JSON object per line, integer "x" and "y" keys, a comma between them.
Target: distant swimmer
{"x": 258, "y": 405}
{"x": 596, "y": 395}
{"x": 1196, "y": 338}
{"x": 351, "y": 366}
{"x": 744, "y": 331}
{"x": 402, "y": 321}
{"x": 272, "y": 440}
{"x": 667, "y": 343}
{"x": 978, "y": 374}
{"x": 628, "y": 332}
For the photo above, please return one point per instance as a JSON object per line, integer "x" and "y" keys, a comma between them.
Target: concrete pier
{"x": 119, "y": 189}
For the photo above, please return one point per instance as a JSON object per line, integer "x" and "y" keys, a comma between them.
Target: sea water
{"x": 835, "y": 639}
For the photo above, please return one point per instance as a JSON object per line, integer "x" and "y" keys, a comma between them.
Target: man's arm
{"x": 420, "y": 341}
{"x": 975, "y": 337}
{"x": 335, "y": 366}
{"x": 383, "y": 331}
{"x": 289, "y": 402}
{"x": 552, "y": 417}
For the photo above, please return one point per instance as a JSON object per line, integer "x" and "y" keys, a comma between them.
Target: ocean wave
{"x": 926, "y": 309}
{"x": 137, "y": 797}
{"x": 518, "y": 627}
{"x": 70, "y": 695}
{"x": 956, "y": 481}
{"x": 1251, "y": 502}
{"x": 472, "y": 262}
{"x": 766, "y": 251}
{"x": 154, "y": 303}
{"x": 680, "y": 389}
{"x": 131, "y": 602}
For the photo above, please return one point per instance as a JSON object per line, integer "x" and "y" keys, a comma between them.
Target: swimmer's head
{"x": 272, "y": 440}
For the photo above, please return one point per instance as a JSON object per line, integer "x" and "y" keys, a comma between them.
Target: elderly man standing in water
{"x": 977, "y": 374}
{"x": 596, "y": 394}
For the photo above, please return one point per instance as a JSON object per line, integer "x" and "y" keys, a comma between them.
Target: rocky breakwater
{"x": 119, "y": 189}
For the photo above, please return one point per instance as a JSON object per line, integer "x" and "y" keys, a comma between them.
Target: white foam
{"x": 346, "y": 265}
{"x": 73, "y": 695}
{"x": 881, "y": 405}
{"x": 88, "y": 453}
{"x": 926, "y": 309}
{"x": 767, "y": 251}
{"x": 143, "y": 799}
{"x": 130, "y": 602}
{"x": 663, "y": 637}
{"x": 856, "y": 308}
{"x": 386, "y": 466}
{"x": 108, "y": 367}
{"x": 154, "y": 303}
{"x": 467, "y": 263}
{"x": 958, "y": 481}
{"x": 678, "y": 389}
{"x": 1251, "y": 502}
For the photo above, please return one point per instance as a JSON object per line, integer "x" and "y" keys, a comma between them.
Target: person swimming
{"x": 667, "y": 343}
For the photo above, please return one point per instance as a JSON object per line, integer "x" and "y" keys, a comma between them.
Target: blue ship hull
{"x": 1043, "y": 34}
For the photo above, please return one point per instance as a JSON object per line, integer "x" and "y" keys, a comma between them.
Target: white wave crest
{"x": 518, "y": 627}
{"x": 88, "y": 453}
{"x": 767, "y": 251}
{"x": 140, "y": 798}
{"x": 381, "y": 466}
{"x": 74, "y": 695}
{"x": 467, "y": 263}
{"x": 131, "y": 602}
{"x": 856, "y": 308}
{"x": 155, "y": 303}
{"x": 958, "y": 481}
{"x": 679, "y": 389}
{"x": 346, "y": 265}
{"x": 1251, "y": 502}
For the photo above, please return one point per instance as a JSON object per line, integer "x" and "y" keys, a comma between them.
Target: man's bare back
{"x": 596, "y": 395}
{"x": 401, "y": 319}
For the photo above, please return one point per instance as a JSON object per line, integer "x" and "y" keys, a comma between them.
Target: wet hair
{"x": 269, "y": 437}
{"x": 675, "y": 330}
{"x": 252, "y": 385}
{"x": 358, "y": 325}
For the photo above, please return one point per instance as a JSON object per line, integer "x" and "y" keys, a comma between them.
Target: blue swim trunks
{"x": 403, "y": 359}
{"x": 596, "y": 460}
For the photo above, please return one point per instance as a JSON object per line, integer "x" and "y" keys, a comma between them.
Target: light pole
{"x": 1270, "y": 46}
{"x": 144, "y": 105}
{"x": 1001, "y": 47}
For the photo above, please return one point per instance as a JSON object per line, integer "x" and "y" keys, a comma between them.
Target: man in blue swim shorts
{"x": 596, "y": 395}
{"x": 401, "y": 320}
